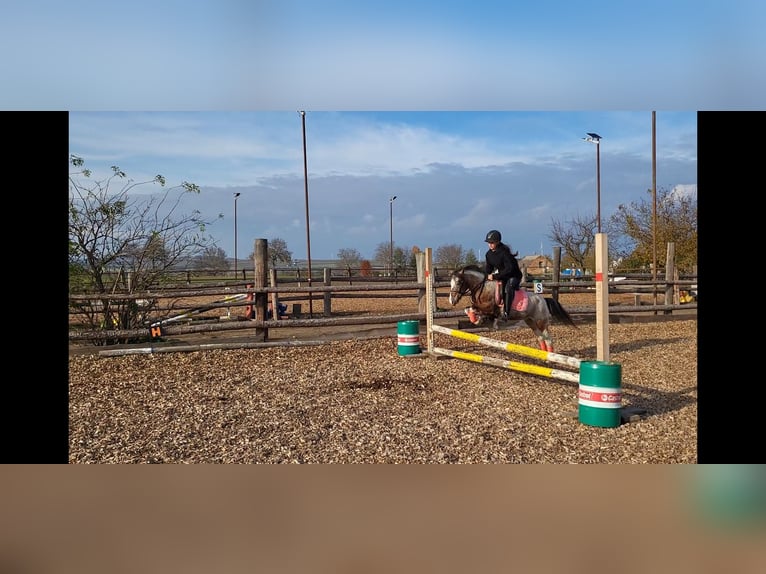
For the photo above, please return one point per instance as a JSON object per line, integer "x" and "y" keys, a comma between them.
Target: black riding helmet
{"x": 493, "y": 236}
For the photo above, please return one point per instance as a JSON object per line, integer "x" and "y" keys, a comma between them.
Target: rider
{"x": 501, "y": 265}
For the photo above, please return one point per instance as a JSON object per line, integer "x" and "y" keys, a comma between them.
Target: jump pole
{"x": 227, "y": 299}
{"x": 513, "y": 365}
{"x": 510, "y": 347}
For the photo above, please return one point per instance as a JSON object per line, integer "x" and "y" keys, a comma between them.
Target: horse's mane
{"x": 473, "y": 268}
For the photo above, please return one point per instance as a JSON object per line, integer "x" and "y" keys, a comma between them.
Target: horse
{"x": 486, "y": 300}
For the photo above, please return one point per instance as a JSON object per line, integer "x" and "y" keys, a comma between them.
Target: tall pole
{"x": 654, "y": 196}
{"x": 236, "y": 196}
{"x": 596, "y": 139}
{"x": 306, "y": 195}
{"x": 654, "y": 203}
{"x": 391, "y": 233}
{"x": 598, "y": 183}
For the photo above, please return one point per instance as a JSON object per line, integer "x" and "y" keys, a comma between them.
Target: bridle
{"x": 464, "y": 288}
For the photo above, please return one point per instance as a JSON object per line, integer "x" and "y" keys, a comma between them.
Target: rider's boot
{"x": 507, "y": 302}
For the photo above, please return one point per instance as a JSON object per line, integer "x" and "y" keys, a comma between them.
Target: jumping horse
{"x": 486, "y": 304}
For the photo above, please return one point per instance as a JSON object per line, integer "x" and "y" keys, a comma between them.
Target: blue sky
{"x": 605, "y": 64}
{"x": 394, "y": 55}
{"x": 456, "y": 175}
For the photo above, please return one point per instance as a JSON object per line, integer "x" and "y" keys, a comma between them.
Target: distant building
{"x": 536, "y": 265}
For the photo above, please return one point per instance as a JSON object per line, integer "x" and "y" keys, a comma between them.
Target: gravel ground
{"x": 361, "y": 402}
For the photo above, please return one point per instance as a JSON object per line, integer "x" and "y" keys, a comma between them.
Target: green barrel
{"x": 600, "y": 393}
{"x": 408, "y": 337}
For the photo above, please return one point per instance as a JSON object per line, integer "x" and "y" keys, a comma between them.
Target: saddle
{"x": 520, "y": 298}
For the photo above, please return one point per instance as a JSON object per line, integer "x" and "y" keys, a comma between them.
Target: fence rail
{"x": 162, "y": 310}
{"x": 289, "y": 293}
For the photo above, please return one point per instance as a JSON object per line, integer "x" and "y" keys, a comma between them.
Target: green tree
{"x": 120, "y": 239}
{"x": 631, "y": 230}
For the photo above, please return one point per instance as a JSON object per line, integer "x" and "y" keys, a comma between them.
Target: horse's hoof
{"x": 472, "y": 316}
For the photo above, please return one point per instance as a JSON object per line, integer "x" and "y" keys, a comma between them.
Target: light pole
{"x": 306, "y": 194}
{"x": 391, "y": 232}
{"x": 236, "y": 197}
{"x": 654, "y": 197}
{"x": 596, "y": 139}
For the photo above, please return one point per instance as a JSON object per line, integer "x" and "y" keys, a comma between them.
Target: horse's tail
{"x": 559, "y": 312}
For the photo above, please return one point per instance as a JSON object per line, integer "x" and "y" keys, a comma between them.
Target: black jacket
{"x": 502, "y": 261}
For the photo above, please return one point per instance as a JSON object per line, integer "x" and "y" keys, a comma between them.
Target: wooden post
{"x": 429, "y": 279}
{"x": 420, "y": 265}
{"x": 327, "y": 296}
{"x": 669, "y": 270}
{"x": 556, "y": 276}
{"x": 602, "y": 298}
{"x": 274, "y": 295}
{"x": 261, "y": 301}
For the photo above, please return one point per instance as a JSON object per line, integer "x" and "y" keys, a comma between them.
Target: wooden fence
{"x": 173, "y": 308}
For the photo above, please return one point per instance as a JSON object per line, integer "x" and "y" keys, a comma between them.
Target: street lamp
{"x": 391, "y": 231}
{"x": 596, "y": 139}
{"x": 236, "y": 197}
{"x": 306, "y": 194}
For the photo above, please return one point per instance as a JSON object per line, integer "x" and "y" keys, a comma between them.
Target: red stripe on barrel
{"x": 599, "y": 396}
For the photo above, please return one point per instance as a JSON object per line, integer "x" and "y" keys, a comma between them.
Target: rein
{"x": 476, "y": 289}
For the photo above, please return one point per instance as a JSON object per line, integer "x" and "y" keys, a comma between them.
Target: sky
{"x": 396, "y": 55}
{"x": 455, "y": 175}
{"x": 559, "y": 69}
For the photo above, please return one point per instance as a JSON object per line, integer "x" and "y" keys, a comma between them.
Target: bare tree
{"x": 277, "y": 252}
{"x": 450, "y": 256}
{"x": 577, "y": 238}
{"x": 349, "y": 258}
{"x": 402, "y": 257}
{"x": 471, "y": 258}
{"x": 115, "y": 234}
{"x": 212, "y": 257}
{"x": 382, "y": 255}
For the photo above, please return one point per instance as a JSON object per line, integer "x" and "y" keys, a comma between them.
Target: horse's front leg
{"x": 473, "y": 315}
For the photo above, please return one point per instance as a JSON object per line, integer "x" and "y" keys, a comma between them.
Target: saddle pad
{"x": 520, "y": 298}
{"x": 520, "y": 301}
